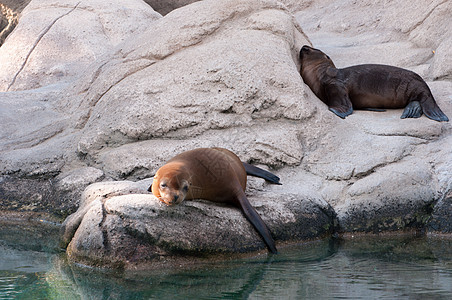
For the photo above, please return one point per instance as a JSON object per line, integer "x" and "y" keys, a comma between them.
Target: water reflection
{"x": 378, "y": 267}
{"x": 237, "y": 279}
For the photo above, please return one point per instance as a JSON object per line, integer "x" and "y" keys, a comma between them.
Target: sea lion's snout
{"x": 170, "y": 184}
{"x": 172, "y": 197}
{"x": 172, "y": 191}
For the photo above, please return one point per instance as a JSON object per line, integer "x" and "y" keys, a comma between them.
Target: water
{"x": 33, "y": 267}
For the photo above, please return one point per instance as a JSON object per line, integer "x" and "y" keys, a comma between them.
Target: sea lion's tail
{"x": 252, "y": 216}
{"x": 261, "y": 173}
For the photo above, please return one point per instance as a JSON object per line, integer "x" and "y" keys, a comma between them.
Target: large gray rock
{"x": 219, "y": 91}
{"x": 57, "y": 40}
{"x": 49, "y": 50}
{"x": 388, "y": 175}
{"x": 116, "y": 227}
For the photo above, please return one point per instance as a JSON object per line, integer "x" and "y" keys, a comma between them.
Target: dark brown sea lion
{"x": 214, "y": 174}
{"x": 367, "y": 87}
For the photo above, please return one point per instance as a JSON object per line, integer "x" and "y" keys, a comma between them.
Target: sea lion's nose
{"x": 175, "y": 198}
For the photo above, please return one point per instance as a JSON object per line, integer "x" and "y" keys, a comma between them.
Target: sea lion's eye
{"x": 328, "y": 57}
{"x": 163, "y": 185}
{"x": 185, "y": 188}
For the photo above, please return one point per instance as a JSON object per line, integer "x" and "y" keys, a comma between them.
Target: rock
{"x": 37, "y": 139}
{"x": 94, "y": 195}
{"x": 15, "y": 5}
{"x": 79, "y": 177}
{"x": 406, "y": 187}
{"x": 116, "y": 228}
{"x": 218, "y": 92}
{"x": 374, "y": 33}
{"x": 30, "y": 59}
{"x": 441, "y": 219}
{"x": 33, "y": 137}
{"x": 394, "y": 197}
{"x": 442, "y": 61}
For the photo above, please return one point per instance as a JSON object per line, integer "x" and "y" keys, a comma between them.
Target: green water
{"x": 32, "y": 267}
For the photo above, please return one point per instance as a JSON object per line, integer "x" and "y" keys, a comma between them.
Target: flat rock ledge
{"x": 118, "y": 225}
{"x": 121, "y": 226}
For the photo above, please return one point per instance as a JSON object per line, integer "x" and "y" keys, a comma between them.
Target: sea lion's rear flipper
{"x": 261, "y": 173}
{"x": 412, "y": 110}
{"x": 337, "y": 100}
{"x": 432, "y": 110}
{"x": 254, "y": 218}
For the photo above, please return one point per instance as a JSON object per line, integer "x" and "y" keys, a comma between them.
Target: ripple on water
{"x": 8, "y": 286}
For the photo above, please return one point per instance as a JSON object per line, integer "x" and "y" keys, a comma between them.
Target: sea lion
{"x": 367, "y": 87}
{"x": 214, "y": 174}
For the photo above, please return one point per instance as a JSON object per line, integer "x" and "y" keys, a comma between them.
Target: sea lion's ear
{"x": 305, "y": 48}
{"x": 332, "y": 72}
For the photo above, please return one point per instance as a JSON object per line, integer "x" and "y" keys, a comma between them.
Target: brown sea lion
{"x": 214, "y": 174}
{"x": 367, "y": 87}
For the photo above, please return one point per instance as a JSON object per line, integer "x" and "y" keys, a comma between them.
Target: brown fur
{"x": 214, "y": 174}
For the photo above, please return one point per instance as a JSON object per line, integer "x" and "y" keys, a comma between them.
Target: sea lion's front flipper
{"x": 341, "y": 111}
{"x": 412, "y": 110}
{"x": 337, "y": 100}
{"x": 254, "y": 218}
{"x": 261, "y": 173}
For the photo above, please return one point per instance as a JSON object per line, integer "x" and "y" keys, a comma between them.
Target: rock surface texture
{"x": 57, "y": 40}
{"x": 110, "y": 107}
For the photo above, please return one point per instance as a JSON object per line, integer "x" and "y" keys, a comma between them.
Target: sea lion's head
{"x": 171, "y": 183}
{"x": 317, "y": 69}
{"x": 311, "y": 56}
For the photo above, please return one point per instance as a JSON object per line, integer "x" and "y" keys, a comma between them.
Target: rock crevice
{"x": 39, "y": 38}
